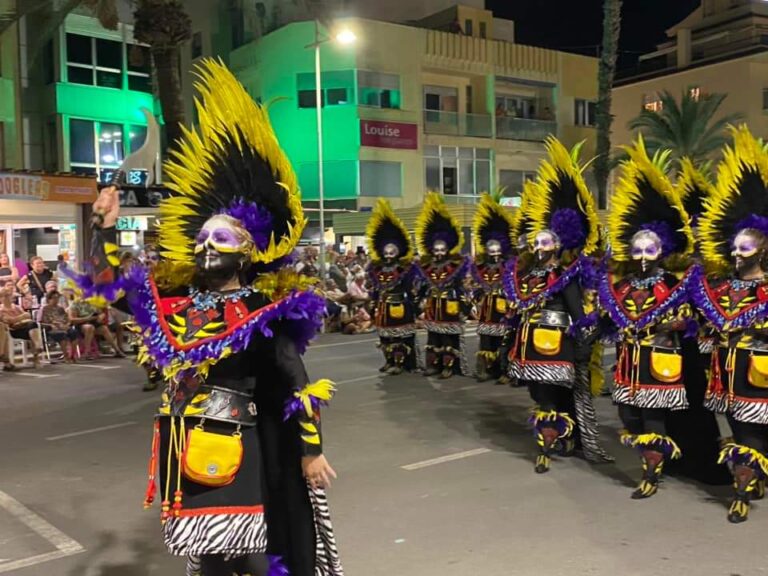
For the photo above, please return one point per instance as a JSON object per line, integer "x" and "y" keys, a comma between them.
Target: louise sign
{"x": 388, "y": 134}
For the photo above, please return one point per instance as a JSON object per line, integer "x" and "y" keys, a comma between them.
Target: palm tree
{"x": 603, "y": 117}
{"x": 688, "y": 129}
{"x": 165, "y": 25}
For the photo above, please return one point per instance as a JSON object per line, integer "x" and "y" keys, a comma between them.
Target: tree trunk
{"x": 166, "y": 61}
{"x": 606, "y": 71}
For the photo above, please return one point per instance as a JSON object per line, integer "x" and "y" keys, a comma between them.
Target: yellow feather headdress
{"x": 384, "y": 227}
{"x": 562, "y": 202}
{"x": 645, "y": 200}
{"x": 694, "y": 186}
{"x": 232, "y": 164}
{"x": 435, "y": 222}
{"x": 492, "y": 222}
{"x": 739, "y": 200}
{"x": 522, "y": 221}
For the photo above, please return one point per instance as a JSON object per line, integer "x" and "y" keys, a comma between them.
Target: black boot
{"x": 546, "y": 438}
{"x": 449, "y": 359}
{"x": 398, "y": 358}
{"x": 653, "y": 465}
{"x": 481, "y": 368}
{"x": 745, "y": 486}
{"x": 432, "y": 360}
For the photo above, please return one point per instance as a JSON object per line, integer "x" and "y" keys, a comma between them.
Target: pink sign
{"x": 389, "y": 134}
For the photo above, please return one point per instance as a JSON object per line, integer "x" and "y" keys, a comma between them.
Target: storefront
{"x": 42, "y": 214}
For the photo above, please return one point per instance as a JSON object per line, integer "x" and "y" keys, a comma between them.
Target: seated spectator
{"x": 357, "y": 290}
{"x": 36, "y": 279}
{"x": 5, "y": 355}
{"x": 357, "y": 322}
{"x": 87, "y": 322}
{"x": 56, "y": 324}
{"x": 7, "y": 269}
{"x": 334, "y": 307}
{"x": 20, "y": 324}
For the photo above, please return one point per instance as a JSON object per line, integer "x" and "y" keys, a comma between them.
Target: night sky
{"x": 576, "y": 25}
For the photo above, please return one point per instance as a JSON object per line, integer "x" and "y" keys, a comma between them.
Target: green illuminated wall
{"x": 269, "y": 70}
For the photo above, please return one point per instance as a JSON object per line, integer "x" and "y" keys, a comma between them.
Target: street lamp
{"x": 344, "y": 37}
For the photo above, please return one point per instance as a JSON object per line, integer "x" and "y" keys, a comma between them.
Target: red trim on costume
{"x": 221, "y": 510}
{"x": 663, "y": 290}
{"x": 652, "y": 386}
{"x": 551, "y": 279}
{"x": 545, "y": 362}
{"x": 713, "y": 298}
{"x": 172, "y": 338}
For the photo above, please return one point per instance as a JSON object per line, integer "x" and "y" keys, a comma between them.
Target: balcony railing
{"x": 524, "y": 128}
{"x": 461, "y": 198}
{"x": 452, "y": 123}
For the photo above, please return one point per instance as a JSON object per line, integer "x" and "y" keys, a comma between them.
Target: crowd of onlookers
{"x": 40, "y": 308}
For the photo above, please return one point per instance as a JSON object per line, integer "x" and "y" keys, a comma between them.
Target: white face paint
{"x": 745, "y": 250}
{"x": 493, "y": 248}
{"x": 545, "y": 244}
{"x": 645, "y": 248}
{"x": 391, "y": 251}
{"x": 221, "y": 243}
{"x": 439, "y": 249}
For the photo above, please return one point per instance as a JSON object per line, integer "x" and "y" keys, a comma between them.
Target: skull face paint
{"x": 493, "y": 249}
{"x": 545, "y": 245}
{"x": 391, "y": 251}
{"x": 222, "y": 246}
{"x": 746, "y": 250}
{"x": 645, "y": 248}
{"x": 439, "y": 249}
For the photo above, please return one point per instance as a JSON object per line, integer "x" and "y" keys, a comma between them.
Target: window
{"x": 197, "y": 45}
{"x": 381, "y": 179}
{"x": 457, "y": 171}
{"x": 337, "y": 96}
{"x": 652, "y": 103}
{"x": 483, "y": 31}
{"x": 765, "y": 98}
{"x": 308, "y": 99}
{"x": 96, "y": 146}
{"x": 512, "y": 181}
{"x": 378, "y": 90}
{"x": 516, "y": 106}
{"x": 468, "y": 96}
{"x": 100, "y": 62}
{"x": 695, "y": 93}
{"x": 584, "y": 112}
{"x": 468, "y": 27}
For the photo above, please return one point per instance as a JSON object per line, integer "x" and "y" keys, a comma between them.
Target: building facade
{"x": 437, "y": 105}
{"x": 720, "y": 48}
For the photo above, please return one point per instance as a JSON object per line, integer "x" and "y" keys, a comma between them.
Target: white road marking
{"x": 350, "y": 343}
{"x": 65, "y": 546}
{"x": 36, "y": 375}
{"x": 472, "y": 387}
{"x": 90, "y": 431}
{"x": 443, "y": 459}
{"x": 97, "y": 367}
{"x": 369, "y": 377}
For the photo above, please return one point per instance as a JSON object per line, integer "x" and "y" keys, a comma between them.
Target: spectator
{"x": 358, "y": 322}
{"x": 7, "y": 269}
{"x": 333, "y": 305}
{"x": 20, "y": 265}
{"x": 87, "y": 323}
{"x": 57, "y": 326}
{"x": 20, "y": 324}
{"x": 357, "y": 290}
{"x": 36, "y": 278}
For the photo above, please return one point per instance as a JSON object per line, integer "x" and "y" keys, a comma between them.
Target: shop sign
{"x": 71, "y": 189}
{"x": 389, "y": 134}
{"x": 138, "y": 197}
{"x": 131, "y": 223}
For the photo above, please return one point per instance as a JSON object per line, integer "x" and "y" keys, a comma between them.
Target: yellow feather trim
{"x": 638, "y": 168}
{"x": 275, "y": 285}
{"x": 323, "y": 390}
{"x": 383, "y": 212}
{"x": 224, "y": 105}
{"x": 596, "y": 373}
{"x": 691, "y": 178}
{"x": 434, "y": 204}
{"x": 489, "y": 208}
{"x": 747, "y": 153}
{"x": 521, "y": 223}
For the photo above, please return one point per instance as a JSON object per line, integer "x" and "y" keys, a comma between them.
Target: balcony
{"x": 455, "y": 124}
{"x": 527, "y": 129}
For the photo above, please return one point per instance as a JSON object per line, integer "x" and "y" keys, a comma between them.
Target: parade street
{"x": 435, "y": 479}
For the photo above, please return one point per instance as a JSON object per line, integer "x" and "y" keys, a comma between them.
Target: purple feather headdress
{"x": 754, "y": 221}
{"x": 665, "y": 234}
{"x": 256, "y": 219}
{"x": 570, "y": 227}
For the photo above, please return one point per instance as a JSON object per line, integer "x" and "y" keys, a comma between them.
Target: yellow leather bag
{"x": 501, "y": 306}
{"x": 758, "y": 371}
{"x": 397, "y": 311}
{"x": 452, "y": 307}
{"x": 212, "y": 459}
{"x": 547, "y": 341}
{"x": 666, "y": 366}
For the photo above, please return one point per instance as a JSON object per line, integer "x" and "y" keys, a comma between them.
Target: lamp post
{"x": 342, "y": 37}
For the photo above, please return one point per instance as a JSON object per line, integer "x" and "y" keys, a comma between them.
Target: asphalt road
{"x": 75, "y": 442}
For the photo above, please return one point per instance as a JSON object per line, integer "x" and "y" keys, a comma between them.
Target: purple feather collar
{"x": 460, "y": 272}
{"x": 526, "y": 303}
{"x": 677, "y": 296}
